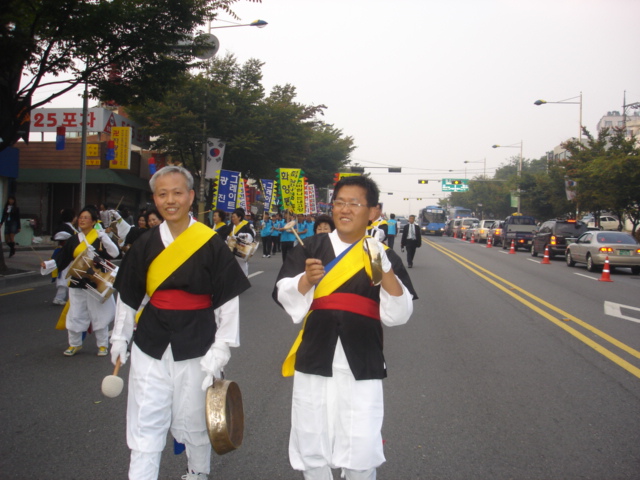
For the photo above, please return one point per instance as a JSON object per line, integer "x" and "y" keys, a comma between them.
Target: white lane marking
{"x": 255, "y": 273}
{"x": 585, "y": 276}
{"x": 532, "y": 260}
{"x": 614, "y": 309}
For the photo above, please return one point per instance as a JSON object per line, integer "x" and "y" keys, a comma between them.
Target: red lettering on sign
{"x": 69, "y": 119}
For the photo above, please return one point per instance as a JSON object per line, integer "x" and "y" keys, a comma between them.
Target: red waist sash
{"x": 349, "y": 302}
{"x": 179, "y": 300}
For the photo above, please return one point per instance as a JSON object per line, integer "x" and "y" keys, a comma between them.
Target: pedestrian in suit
{"x": 411, "y": 239}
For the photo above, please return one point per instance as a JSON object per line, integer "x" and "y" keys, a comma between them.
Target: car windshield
{"x": 573, "y": 229}
{"x": 522, "y": 221}
{"x": 616, "y": 237}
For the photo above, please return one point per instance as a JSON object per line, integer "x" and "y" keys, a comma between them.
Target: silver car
{"x": 594, "y": 246}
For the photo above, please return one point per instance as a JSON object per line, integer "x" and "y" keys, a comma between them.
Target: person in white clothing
{"x": 338, "y": 367}
{"x": 85, "y": 309}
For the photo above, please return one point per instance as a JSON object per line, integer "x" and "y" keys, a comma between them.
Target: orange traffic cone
{"x": 513, "y": 247}
{"x": 606, "y": 273}
{"x": 488, "y": 242}
{"x": 545, "y": 259}
{"x": 455, "y": 234}
{"x": 473, "y": 238}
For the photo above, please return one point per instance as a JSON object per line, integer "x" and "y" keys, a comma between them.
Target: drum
{"x": 224, "y": 415}
{"x": 98, "y": 273}
{"x": 242, "y": 250}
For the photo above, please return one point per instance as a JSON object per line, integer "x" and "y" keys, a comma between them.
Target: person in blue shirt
{"x": 392, "y": 229}
{"x": 265, "y": 233}
{"x": 310, "y": 225}
{"x": 301, "y": 227}
{"x": 276, "y": 218}
{"x": 287, "y": 237}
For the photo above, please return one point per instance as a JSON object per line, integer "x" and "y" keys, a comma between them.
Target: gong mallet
{"x": 291, "y": 226}
{"x": 112, "y": 385}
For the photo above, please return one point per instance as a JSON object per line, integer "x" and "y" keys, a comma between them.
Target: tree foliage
{"x": 606, "y": 170}
{"x": 262, "y": 132}
{"x": 125, "y": 50}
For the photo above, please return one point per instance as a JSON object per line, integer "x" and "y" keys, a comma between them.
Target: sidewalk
{"x": 24, "y": 266}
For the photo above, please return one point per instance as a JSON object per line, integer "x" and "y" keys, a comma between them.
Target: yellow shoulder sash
{"x": 354, "y": 260}
{"x": 187, "y": 243}
{"x": 237, "y": 228}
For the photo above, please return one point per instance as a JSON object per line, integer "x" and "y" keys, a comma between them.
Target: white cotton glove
{"x": 245, "y": 238}
{"x": 115, "y": 216}
{"x": 214, "y": 361}
{"x": 379, "y": 235}
{"x": 119, "y": 350}
{"x": 386, "y": 263}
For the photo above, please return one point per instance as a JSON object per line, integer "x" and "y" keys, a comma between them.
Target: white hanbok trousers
{"x": 336, "y": 421}
{"x": 165, "y": 394}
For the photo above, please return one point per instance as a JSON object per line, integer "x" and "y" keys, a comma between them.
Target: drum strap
{"x": 350, "y": 262}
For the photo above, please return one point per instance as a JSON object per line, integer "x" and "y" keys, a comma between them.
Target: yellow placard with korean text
{"x": 288, "y": 179}
{"x": 93, "y": 154}
{"x": 121, "y": 137}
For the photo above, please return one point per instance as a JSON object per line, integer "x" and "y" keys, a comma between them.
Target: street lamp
{"x": 484, "y": 171}
{"x": 567, "y": 101}
{"x": 625, "y": 107}
{"x": 212, "y": 42}
{"x": 515, "y": 145}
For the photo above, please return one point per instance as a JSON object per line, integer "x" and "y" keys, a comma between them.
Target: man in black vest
{"x": 411, "y": 239}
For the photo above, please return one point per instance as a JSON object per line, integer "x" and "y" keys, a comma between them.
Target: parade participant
{"x": 337, "y": 405}
{"x": 287, "y": 237}
{"x": 378, "y": 228}
{"x": 154, "y": 218}
{"x": 301, "y": 226}
{"x": 323, "y": 224}
{"x": 220, "y": 225}
{"x": 242, "y": 232}
{"x": 276, "y": 218}
{"x": 11, "y": 220}
{"x": 392, "y": 230}
{"x": 63, "y": 232}
{"x": 84, "y": 309}
{"x": 183, "y": 335}
{"x": 265, "y": 234}
{"x": 311, "y": 225}
{"x": 135, "y": 232}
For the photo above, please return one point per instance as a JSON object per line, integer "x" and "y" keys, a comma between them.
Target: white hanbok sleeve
{"x": 294, "y": 303}
{"x": 395, "y": 310}
{"x": 228, "y": 322}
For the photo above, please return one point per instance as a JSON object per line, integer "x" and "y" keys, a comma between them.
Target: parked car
{"x": 518, "y": 229}
{"x": 593, "y": 247}
{"x": 402, "y": 221}
{"x": 496, "y": 232}
{"x": 465, "y": 224}
{"x": 554, "y": 234}
{"x": 448, "y": 228}
{"x": 606, "y": 223}
{"x": 482, "y": 230}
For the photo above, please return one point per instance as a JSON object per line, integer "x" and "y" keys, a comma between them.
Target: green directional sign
{"x": 455, "y": 184}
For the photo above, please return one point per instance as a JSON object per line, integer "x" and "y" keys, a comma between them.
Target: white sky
{"x": 428, "y": 84}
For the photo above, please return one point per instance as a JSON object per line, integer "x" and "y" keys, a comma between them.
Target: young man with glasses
{"x": 338, "y": 364}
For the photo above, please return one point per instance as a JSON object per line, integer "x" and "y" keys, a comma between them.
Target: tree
{"x": 124, "y": 50}
{"x": 262, "y": 133}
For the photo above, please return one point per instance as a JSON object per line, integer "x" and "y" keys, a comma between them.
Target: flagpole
{"x": 201, "y": 197}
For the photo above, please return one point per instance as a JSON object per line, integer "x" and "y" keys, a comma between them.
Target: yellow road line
{"x": 596, "y": 346}
{"x": 18, "y": 291}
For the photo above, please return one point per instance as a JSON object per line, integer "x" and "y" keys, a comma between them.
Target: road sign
{"x": 455, "y": 184}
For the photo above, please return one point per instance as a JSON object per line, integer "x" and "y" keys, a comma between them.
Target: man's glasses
{"x": 340, "y": 205}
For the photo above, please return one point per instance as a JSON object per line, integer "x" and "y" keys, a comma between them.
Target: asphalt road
{"x": 508, "y": 369}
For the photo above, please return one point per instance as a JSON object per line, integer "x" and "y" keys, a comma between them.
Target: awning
{"x": 102, "y": 176}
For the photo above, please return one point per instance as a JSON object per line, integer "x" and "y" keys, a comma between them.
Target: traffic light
{"x": 456, "y": 182}
{"x": 395, "y": 169}
{"x": 423, "y": 182}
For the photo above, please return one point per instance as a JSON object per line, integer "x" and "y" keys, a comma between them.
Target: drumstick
{"x": 37, "y": 254}
{"x": 290, "y": 226}
{"x": 112, "y": 385}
